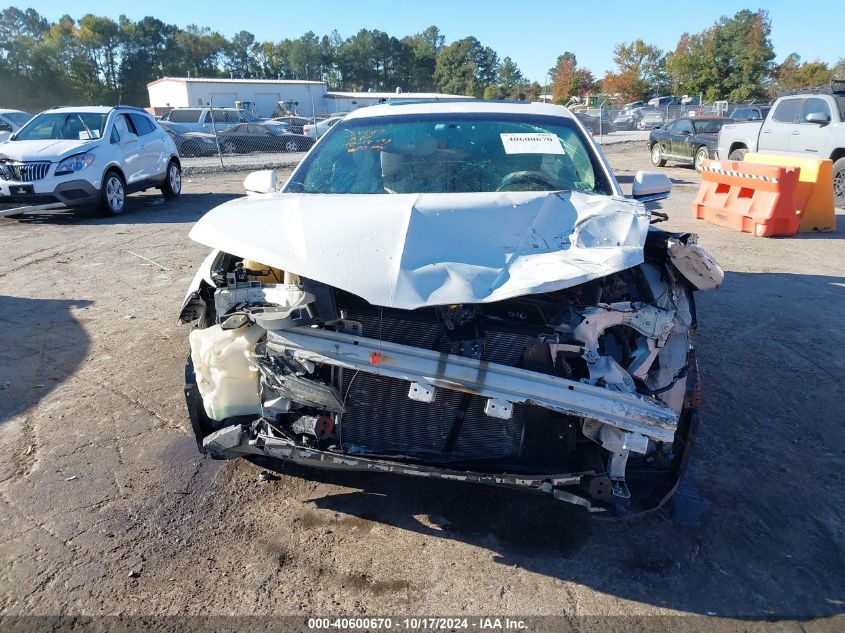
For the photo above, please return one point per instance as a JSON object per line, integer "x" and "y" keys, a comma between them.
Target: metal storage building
{"x": 337, "y": 102}
{"x": 176, "y": 92}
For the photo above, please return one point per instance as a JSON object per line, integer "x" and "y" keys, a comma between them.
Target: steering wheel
{"x": 517, "y": 178}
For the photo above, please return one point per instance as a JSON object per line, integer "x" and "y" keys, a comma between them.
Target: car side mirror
{"x": 817, "y": 117}
{"x": 686, "y": 132}
{"x": 651, "y": 186}
{"x": 261, "y": 182}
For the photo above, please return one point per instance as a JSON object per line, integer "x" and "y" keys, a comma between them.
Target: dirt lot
{"x": 109, "y": 509}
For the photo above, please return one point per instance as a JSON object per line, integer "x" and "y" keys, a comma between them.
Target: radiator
{"x": 380, "y": 417}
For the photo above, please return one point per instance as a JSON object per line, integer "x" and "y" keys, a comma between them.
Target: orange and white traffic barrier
{"x": 814, "y": 194}
{"x": 758, "y": 199}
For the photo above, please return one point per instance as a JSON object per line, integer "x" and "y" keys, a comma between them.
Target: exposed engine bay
{"x": 586, "y": 393}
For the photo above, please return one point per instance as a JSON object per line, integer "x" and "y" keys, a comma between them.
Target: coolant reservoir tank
{"x": 223, "y": 366}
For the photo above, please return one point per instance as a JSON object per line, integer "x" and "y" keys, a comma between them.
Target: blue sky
{"x": 532, "y": 32}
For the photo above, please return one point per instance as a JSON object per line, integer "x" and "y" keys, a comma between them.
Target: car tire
{"x": 172, "y": 186}
{"x": 657, "y": 156}
{"x": 738, "y": 154}
{"x": 701, "y": 154}
{"x": 839, "y": 182}
{"x": 113, "y": 193}
{"x": 292, "y": 146}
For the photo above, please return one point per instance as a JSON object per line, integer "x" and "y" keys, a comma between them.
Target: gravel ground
{"x": 109, "y": 509}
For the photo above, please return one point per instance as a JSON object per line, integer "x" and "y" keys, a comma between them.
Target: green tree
{"x": 792, "y": 74}
{"x": 730, "y": 60}
{"x": 509, "y": 80}
{"x": 466, "y": 67}
{"x": 641, "y": 71}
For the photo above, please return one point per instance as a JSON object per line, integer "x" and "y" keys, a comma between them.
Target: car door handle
{"x": 796, "y": 133}
{"x": 767, "y": 131}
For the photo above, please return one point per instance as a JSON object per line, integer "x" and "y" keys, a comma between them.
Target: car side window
{"x": 184, "y": 116}
{"x": 5, "y": 127}
{"x": 672, "y": 127}
{"x": 122, "y": 129}
{"x": 683, "y": 126}
{"x": 787, "y": 110}
{"x": 142, "y": 124}
{"x": 815, "y": 106}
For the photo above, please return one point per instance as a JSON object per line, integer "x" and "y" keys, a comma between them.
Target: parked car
{"x": 294, "y": 123}
{"x": 649, "y": 118}
{"x": 662, "y": 102}
{"x": 192, "y": 144}
{"x": 206, "y": 119}
{"x": 11, "y": 121}
{"x": 595, "y": 123}
{"x": 808, "y": 123}
{"x": 452, "y": 290}
{"x": 252, "y": 137}
{"x": 750, "y": 113}
{"x": 315, "y": 131}
{"x": 628, "y": 117}
{"x": 686, "y": 140}
{"x": 88, "y": 156}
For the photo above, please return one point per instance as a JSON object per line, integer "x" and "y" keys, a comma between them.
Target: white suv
{"x": 88, "y": 155}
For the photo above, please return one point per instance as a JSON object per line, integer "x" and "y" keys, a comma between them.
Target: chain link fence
{"x": 228, "y": 139}
{"x": 609, "y": 124}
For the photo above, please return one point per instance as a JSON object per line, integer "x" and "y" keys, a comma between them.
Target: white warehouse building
{"x": 182, "y": 92}
{"x": 308, "y": 97}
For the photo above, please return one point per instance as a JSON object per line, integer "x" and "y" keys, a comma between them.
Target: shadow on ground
{"x": 756, "y": 529}
{"x": 41, "y": 344}
{"x": 140, "y": 209}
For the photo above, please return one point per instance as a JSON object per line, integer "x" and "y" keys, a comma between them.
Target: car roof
{"x": 5, "y": 111}
{"x": 455, "y": 106}
{"x": 88, "y": 109}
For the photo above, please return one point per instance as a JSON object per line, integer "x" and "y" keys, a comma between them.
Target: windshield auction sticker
{"x": 531, "y": 143}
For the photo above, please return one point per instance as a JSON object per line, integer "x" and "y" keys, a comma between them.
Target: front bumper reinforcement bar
{"x": 630, "y": 412}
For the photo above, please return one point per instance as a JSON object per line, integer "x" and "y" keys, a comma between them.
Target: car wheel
{"x": 738, "y": 154}
{"x": 113, "y": 193}
{"x": 700, "y": 156}
{"x": 657, "y": 156}
{"x": 172, "y": 186}
{"x": 291, "y": 146}
{"x": 229, "y": 147}
{"x": 839, "y": 182}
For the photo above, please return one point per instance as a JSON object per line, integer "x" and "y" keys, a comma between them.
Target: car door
{"x": 663, "y": 137}
{"x": 809, "y": 137}
{"x": 778, "y": 128}
{"x": 260, "y": 138}
{"x": 152, "y": 145}
{"x": 682, "y": 139}
{"x": 127, "y": 149}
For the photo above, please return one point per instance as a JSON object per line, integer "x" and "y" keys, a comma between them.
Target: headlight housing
{"x": 75, "y": 163}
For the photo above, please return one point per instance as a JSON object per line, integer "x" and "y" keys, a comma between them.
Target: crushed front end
{"x": 587, "y": 393}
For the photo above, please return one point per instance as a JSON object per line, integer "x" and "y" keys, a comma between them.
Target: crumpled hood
{"x": 52, "y": 150}
{"x": 412, "y": 250}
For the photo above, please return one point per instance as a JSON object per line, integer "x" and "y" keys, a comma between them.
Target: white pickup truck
{"x": 809, "y": 124}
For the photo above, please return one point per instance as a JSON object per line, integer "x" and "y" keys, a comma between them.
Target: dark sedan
{"x": 294, "y": 123}
{"x": 252, "y": 137}
{"x": 192, "y": 144}
{"x": 686, "y": 140}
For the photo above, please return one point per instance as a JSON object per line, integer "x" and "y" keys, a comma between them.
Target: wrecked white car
{"x": 452, "y": 290}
